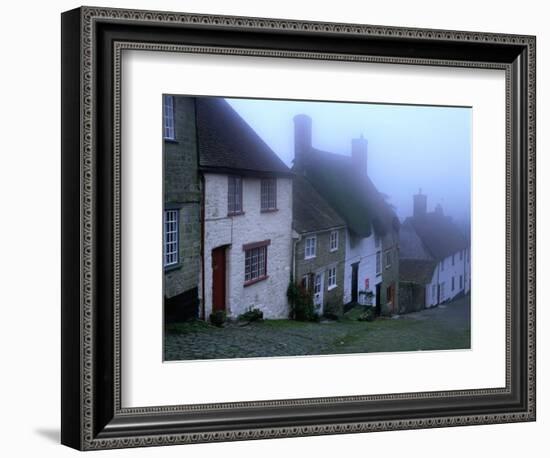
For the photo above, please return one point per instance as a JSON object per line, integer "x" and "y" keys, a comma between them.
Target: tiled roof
{"x": 228, "y": 144}
{"x": 410, "y": 244}
{"x": 416, "y": 270}
{"x": 311, "y": 212}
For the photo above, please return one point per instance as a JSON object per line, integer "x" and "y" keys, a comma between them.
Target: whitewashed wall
{"x": 443, "y": 275}
{"x": 268, "y": 295}
{"x": 362, "y": 250}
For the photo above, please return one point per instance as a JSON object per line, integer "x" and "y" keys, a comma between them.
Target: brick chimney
{"x": 420, "y": 203}
{"x": 359, "y": 154}
{"x": 302, "y": 139}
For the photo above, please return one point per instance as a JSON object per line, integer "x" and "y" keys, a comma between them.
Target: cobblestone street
{"x": 440, "y": 328}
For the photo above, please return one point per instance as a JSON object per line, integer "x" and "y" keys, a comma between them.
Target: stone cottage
{"x": 182, "y": 208}
{"x": 319, "y": 248}
{"x": 371, "y": 267}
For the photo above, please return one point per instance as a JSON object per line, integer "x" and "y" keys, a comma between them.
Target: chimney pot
{"x": 359, "y": 153}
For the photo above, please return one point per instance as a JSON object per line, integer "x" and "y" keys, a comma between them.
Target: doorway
{"x": 218, "y": 278}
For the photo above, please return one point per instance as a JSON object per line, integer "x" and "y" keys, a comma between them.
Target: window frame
{"x": 175, "y": 243}
{"x": 331, "y": 286}
{"x": 335, "y": 239}
{"x": 314, "y": 255}
{"x": 379, "y": 262}
{"x": 388, "y": 262}
{"x": 268, "y": 186}
{"x": 232, "y": 191}
{"x": 169, "y": 116}
{"x": 261, "y": 260}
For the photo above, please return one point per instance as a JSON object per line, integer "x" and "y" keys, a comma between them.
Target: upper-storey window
{"x": 234, "y": 195}
{"x": 334, "y": 241}
{"x": 269, "y": 194}
{"x": 168, "y": 115}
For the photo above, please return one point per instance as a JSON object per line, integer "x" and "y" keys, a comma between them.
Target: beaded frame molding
{"x": 92, "y": 42}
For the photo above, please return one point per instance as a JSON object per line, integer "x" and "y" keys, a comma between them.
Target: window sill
{"x": 172, "y": 267}
{"x": 309, "y": 257}
{"x": 269, "y": 210}
{"x": 330, "y": 288}
{"x": 236, "y": 214}
{"x": 256, "y": 280}
{"x": 334, "y": 250}
{"x": 170, "y": 140}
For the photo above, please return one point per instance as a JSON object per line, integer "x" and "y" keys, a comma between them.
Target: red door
{"x": 218, "y": 279}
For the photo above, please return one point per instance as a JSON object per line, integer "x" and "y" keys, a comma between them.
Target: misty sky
{"x": 409, "y": 147}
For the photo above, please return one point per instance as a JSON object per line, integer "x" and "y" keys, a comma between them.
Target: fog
{"x": 409, "y": 147}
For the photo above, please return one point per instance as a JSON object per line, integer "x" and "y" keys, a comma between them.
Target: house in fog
{"x": 371, "y": 261}
{"x": 446, "y": 246}
{"x": 247, "y": 215}
{"x": 319, "y": 248}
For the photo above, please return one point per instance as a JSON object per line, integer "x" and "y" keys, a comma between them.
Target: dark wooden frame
{"x": 92, "y": 417}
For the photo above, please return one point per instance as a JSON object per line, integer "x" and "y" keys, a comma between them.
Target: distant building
{"x": 372, "y": 229}
{"x": 437, "y": 239}
{"x": 319, "y": 248}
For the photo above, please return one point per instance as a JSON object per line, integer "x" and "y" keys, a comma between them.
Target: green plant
{"x": 367, "y": 315}
{"x": 301, "y": 303}
{"x": 218, "y": 318}
{"x": 252, "y": 314}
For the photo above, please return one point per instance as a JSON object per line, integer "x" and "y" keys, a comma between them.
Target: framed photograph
{"x": 276, "y": 228}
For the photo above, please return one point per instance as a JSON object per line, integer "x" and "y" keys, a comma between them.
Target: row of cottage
{"x": 239, "y": 225}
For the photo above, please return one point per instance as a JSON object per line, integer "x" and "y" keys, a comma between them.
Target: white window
{"x": 378, "y": 262}
{"x": 171, "y": 238}
{"x": 168, "y": 115}
{"x": 452, "y": 283}
{"x": 234, "y": 195}
{"x": 332, "y": 278}
{"x": 461, "y": 255}
{"x": 388, "y": 259}
{"x": 269, "y": 194}
{"x": 460, "y": 282}
{"x": 311, "y": 247}
{"x": 255, "y": 264}
{"x": 334, "y": 241}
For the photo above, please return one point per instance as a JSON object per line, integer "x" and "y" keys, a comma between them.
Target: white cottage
{"x": 247, "y": 216}
{"x": 447, "y": 247}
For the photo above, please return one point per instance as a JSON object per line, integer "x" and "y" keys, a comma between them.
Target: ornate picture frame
{"x": 93, "y": 416}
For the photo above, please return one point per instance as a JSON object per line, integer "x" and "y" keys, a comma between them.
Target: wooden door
{"x": 354, "y": 281}
{"x": 218, "y": 279}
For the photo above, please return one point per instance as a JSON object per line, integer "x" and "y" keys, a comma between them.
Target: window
{"x": 453, "y": 260}
{"x": 334, "y": 241}
{"x": 388, "y": 259}
{"x": 442, "y": 265}
{"x": 168, "y": 115}
{"x": 461, "y": 255}
{"x": 171, "y": 239}
{"x": 306, "y": 282}
{"x": 234, "y": 195}
{"x": 378, "y": 262}
{"x": 460, "y": 280}
{"x": 452, "y": 283}
{"x": 311, "y": 245}
{"x": 441, "y": 291}
{"x": 332, "y": 278}
{"x": 434, "y": 293}
{"x": 269, "y": 194}
{"x": 255, "y": 262}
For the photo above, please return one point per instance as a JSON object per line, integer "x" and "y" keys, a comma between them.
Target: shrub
{"x": 252, "y": 314}
{"x": 301, "y": 303}
{"x": 218, "y": 318}
{"x": 367, "y": 315}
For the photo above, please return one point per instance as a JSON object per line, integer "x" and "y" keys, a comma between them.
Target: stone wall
{"x": 333, "y": 299}
{"x": 182, "y": 191}
{"x": 390, "y": 273}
